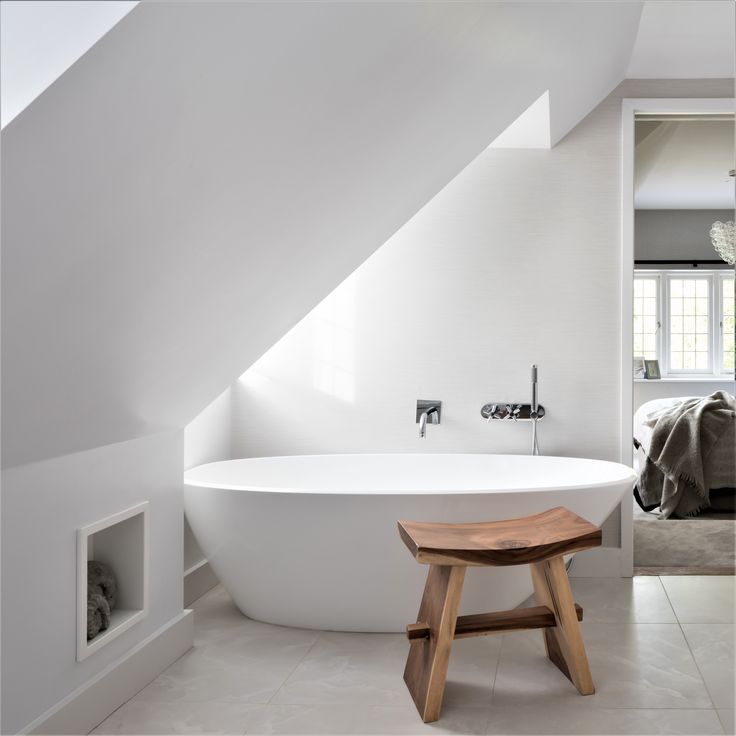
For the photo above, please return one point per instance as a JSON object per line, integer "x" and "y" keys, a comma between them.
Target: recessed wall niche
{"x": 119, "y": 541}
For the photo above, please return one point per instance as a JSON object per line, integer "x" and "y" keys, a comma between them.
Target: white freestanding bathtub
{"x": 311, "y": 541}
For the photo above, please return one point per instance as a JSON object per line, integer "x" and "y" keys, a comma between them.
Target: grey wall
{"x": 676, "y": 234}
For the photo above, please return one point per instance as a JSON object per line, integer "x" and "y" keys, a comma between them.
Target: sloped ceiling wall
{"x": 684, "y": 165}
{"x": 207, "y": 172}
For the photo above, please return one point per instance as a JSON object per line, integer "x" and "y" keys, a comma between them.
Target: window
{"x": 689, "y": 326}
{"x": 646, "y": 317}
{"x": 685, "y": 320}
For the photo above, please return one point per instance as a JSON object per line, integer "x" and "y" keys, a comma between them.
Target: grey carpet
{"x": 706, "y": 541}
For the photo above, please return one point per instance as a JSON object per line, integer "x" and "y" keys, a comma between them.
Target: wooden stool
{"x": 538, "y": 541}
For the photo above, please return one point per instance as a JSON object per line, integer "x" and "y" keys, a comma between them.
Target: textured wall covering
{"x": 209, "y": 171}
{"x": 516, "y": 261}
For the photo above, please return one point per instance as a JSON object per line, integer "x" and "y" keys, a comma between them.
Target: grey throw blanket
{"x": 102, "y": 592}
{"x": 675, "y": 474}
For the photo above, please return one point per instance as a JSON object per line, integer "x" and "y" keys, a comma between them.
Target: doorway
{"x": 678, "y": 333}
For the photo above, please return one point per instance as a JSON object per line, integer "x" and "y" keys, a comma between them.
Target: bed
{"x": 720, "y": 466}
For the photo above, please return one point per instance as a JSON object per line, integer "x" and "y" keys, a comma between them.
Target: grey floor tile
{"x": 349, "y": 668}
{"x": 623, "y": 600}
{"x": 246, "y": 664}
{"x": 712, "y": 646}
{"x": 727, "y": 720}
{"x": 215, "y": 598}
{"x": 633, "y": 666}
{"x": 368, "y": 669}
{"x": 139, "y": 717}
{"x": 366, "y": 719}
{"x": 561, "y": 719}
{"x": 248, "y": 676}
{"x": 701, "y": 599}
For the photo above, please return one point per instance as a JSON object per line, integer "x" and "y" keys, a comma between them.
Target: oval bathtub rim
{"x": 628, "y": 477}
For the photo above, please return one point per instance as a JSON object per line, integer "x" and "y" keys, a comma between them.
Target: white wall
{"x": 677, "y": 234}
{"x": 207, "y": 172}
{"x": 206, "y": 439}
{"x": 458, "y": 304}
{"x": 186, "y": 192}
{"x": 43, "y": 505}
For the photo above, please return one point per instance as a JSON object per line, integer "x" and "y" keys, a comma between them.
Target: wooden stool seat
{"x": 510, "y": 542}
{"x": 539, "y": 541}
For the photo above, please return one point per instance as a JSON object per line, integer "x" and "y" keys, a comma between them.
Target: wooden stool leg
{"x": 426, "y": 666}
{"x": 564, "y": 642}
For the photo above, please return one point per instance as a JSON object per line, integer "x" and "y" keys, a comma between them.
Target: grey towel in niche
{"x": 102, "y": 592}
{"x": 98, "y": 612}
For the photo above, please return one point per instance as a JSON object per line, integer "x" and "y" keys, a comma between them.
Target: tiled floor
{"x": 661, "y": 651}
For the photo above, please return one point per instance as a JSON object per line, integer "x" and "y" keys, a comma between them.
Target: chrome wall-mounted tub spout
{"x": 428, "y": 411}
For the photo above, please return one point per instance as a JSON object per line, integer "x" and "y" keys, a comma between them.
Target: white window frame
{"x": 723, "y": 276}
{"x": 716, "y": 280}
{"x": 657, "y": 275}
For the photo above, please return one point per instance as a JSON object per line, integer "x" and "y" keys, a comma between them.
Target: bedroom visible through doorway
{"x": 683, "y": 432}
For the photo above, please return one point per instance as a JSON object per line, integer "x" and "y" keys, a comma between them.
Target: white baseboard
{"x": 94, "y": 701}
{"x": 198, "y": 579}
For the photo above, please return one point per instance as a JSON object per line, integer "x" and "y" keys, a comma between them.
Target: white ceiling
{"x": 685, "y": 39}
{"x": 684, "y": 165}
{"x": 40, "y": 40}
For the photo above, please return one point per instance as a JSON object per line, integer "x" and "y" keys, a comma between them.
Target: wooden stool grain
{"x": 539, "y": 541}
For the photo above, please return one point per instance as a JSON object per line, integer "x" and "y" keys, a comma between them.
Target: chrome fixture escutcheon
{"x": 510, "y": 412}
{"x": 518, "y": 412}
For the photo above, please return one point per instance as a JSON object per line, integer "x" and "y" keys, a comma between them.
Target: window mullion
{"x": 717, "y": 321}
{"x": 662, "y": 314}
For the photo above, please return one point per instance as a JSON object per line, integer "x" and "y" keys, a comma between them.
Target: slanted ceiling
{"x": 684, "y": 164}
{"x": 208, "y": 172}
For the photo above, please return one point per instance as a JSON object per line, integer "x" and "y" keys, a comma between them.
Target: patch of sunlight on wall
{"x": 334, "y": 343}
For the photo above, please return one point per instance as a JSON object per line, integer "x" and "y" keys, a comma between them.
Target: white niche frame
{"x": 121, "y": 541}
